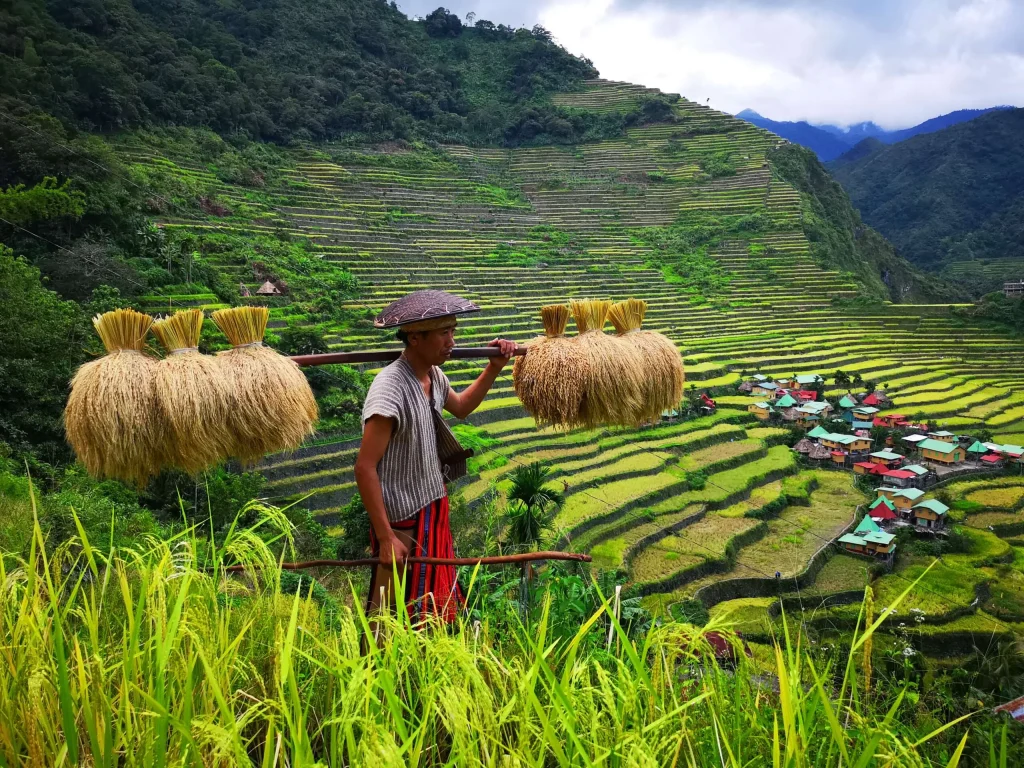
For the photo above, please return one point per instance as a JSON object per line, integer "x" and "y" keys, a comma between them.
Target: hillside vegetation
{"x": 952, "y": 202}
{"x": 286, "y": 69}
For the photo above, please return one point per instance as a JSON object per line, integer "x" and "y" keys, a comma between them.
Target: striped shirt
{"x": 410, "y": 472}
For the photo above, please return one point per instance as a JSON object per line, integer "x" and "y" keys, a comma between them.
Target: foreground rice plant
{"x": 146, "y": 658}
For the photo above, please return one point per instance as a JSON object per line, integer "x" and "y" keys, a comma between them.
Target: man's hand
{"x": 507, "y": 348}
{"x": 393, "y": 551}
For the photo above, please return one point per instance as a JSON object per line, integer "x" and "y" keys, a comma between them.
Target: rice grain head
{"x": 274, "y": 409}
{"x": 113, "y": 419}
{"x": 549, "y": 378}
{"x": 613, "y": 389}
{"x": 194, "y": 393}
{"x": 663, "y": 384}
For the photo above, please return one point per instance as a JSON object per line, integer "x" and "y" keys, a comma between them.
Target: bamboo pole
{"x": 387, "y": 356}
{"x": 524, "y": 557}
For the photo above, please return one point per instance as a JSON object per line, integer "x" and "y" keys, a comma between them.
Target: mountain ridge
{"x": 951, "y": 200}
{"x": 831, "y": 141}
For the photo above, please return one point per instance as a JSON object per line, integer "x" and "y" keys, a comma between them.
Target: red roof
{"x": 882, "y": 512}
{"x": 896, "y": 416}
{"x": 806, "y": 394}
{"x": 871, "y": 399}
{"x": 902, "y": 474}
{"x": 838, "y": 453}
{"x": 991, "y": 458}
{"x": 878, "y": 421}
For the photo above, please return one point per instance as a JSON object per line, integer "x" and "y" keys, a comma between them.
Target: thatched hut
{"x": 819, "y": 453}
{"x": 746, "y": 387}
{"x": 804, "y": 446}
{"x": 268, "y": 289}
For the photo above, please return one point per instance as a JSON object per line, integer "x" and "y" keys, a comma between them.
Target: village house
{"x": 861, "y": 413}
{"x": 848, "y": 443}
{"x": 761, "y": 410}
{"x": 764, "y": 389}
{"x": 941, "y": 451}
{"x": 914, "y": 440}
{"x": 869, "y": 468}
{"x": 870, "y": 540}
{"x": 786, "y": 401}
{"x": 846, "y": 402}
{"x": 902, "y": 498}
{"x": 882, "y": 511}
{"x": 817, "y": 407}
{"x": 900, "y": 478}
{"x": 876, "y": 398}
{"x": 943, "y": 435}
{"x": 887, "y": 459}
{"x": 891, "y": 420}
{"x": 818, "y": 432}
{"x": 929, "y": 514}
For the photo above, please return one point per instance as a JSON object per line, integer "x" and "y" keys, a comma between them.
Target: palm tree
{"x": 532, "y": 505}
{"x": 531, "y": 509}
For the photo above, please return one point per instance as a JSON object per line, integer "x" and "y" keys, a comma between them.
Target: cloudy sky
{"x": 896, "y": 62}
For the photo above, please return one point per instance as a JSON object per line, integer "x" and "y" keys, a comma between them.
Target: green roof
{"x": 847, "y": 402}
{"x": 977, "y": 447}
{"x": 867, "y": 525}
{"x": 785, "y": 401}
{"x": 917, "y": 469}
{"x": 810, "y": 378}
{"x": 886, "y": 455}
{"x": 880, "y": 537}
{"x": 819, "y": 431}
{"x": 814, "y": 406}
{"x": 910, "y": 493}
{"x": 881, "y": 501}
{"x": 767, "y": 385}
{"x": 937, "y": 445}
{"x": 865, "y": 409}
{"x": 763, "y": 404}
{"x": 849, "y": 538}
{"x": 943, "y": 433}
{"x": 844, "y": 439}
{"x": 934, "y": 505}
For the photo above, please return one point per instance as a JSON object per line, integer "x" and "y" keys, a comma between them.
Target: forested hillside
{"x": 288, "y": 69}
{"x": 952, "y": 201}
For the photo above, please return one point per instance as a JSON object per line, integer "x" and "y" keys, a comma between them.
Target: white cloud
{"x": 896, "y": 62}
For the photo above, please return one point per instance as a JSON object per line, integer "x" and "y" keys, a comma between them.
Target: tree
{"x": 841, "y": 378}
{"x": 41, "y": 337}
{"x": 532, "y": 507}
{"x": 441, "y": 23}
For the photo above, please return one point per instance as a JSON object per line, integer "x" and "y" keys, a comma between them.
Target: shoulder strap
{"x": 449, "y": 452}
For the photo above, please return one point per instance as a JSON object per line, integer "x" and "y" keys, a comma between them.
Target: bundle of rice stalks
{"x": 613, "y": 391}
{"x": 274, "y": 408}
{"x": 194, "y": 394}
{"x": 113, "y": 420}
{"x": 549, "y": 379}
{"x": 662, "y": 385}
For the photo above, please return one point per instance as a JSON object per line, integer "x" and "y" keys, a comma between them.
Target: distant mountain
{"x": 951, "y": 201}
{"x": 825, "y": 145}
{"x": 831, "y": 141}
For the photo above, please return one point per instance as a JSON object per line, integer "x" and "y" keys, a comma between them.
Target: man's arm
{"x": 461, "y": 404}
{"x": 376, "y": 436}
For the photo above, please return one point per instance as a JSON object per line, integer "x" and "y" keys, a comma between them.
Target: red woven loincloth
{"x": 430, "y": 590}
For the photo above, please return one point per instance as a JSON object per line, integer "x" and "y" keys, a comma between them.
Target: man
{"x": 398, "y": 470}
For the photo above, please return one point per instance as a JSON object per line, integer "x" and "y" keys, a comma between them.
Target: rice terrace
{"x": 813, "y": 555}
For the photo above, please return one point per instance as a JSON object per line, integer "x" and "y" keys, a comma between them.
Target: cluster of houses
{"x": 793, "y": 399}
{"x": 893, "y": 507}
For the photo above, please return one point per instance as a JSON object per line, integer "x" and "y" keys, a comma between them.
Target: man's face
{"x": 433, "y": 347}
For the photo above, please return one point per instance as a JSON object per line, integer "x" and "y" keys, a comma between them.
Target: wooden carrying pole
{"x": 387, "y": 356}
{"x": 493, "y": 560}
